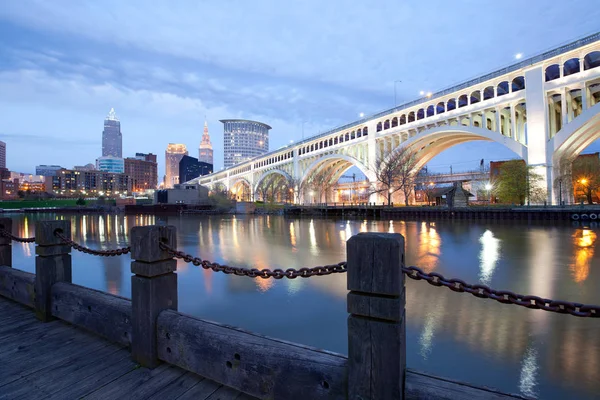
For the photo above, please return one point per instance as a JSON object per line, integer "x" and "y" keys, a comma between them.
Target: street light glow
{"x": 518, "y": 56}
{"x": 361, "y": 115}
{"x": 583, "y": 181}
{"x": 428, "y": 94}
{"x": 422, "y": 93}
{"x": 488, "y": 186}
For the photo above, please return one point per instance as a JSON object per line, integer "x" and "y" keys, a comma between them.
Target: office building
{"x": 86, "y": 167}
{"x": 70, "y": 182}
{"x": 205, "y": 151}
{"x": 173, "y": 155}
{"x": 191, "y": 168}
{"x": 110, "y": 164}
{"x": 2, "y": 154}
{"x": 143, "y": 171}
{"x": 47, "y": 170}
{"x": 112, "y": 140}
{"x": 244, "y": 139}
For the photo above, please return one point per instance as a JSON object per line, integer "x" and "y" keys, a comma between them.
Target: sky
{"x": 304, "y": 66}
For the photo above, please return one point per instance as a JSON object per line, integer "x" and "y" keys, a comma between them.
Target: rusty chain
{"x": 83, "y": 249}
{"x": 289, "y": 273}
{"x": 504, "y": 296}
{"x": 9, "y": 235}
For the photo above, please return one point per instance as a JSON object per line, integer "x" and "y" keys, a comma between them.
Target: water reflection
{"x": 583, "y": 240}
{"x": 488, "y": 256}
{"x": 518, "y": 350}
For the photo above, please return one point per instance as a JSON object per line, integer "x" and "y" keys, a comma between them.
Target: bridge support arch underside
{"x": 320, "y": 176}
{"x": 564, "y": 148}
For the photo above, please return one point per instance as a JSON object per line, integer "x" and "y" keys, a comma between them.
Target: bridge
{"x": 545, "y": 109}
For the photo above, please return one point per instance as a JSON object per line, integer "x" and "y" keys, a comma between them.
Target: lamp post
{"x": 395, "y": 96}
{"x": 488, "y": 187}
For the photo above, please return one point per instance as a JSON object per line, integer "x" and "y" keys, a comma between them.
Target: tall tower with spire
{"x": 112, "y": 140}
{"x": 205, "y": 151}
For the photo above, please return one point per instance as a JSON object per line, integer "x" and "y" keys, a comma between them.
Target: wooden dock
{"x": 55, "y": 360}
{"x": 84, "y": 343}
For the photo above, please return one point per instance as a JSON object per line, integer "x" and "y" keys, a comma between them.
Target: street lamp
{"x": 361, "y": 115}
{"x": 488, "y": 187}
{"x": 395, "y": 97}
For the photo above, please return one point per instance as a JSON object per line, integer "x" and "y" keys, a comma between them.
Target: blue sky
{"x": 165, "y": 66}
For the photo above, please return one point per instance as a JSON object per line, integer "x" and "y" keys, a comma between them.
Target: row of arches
{"x": 345, "y": 137}
{"x": 463, "y": 100}
{"x": 573, "y": 66}
{"x": 275, "y": 159}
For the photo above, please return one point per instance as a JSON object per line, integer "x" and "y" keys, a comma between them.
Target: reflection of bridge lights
{"x": 584, "y": 252}
{"x": 528, "y": 381}
{"x": 488, "y": 256}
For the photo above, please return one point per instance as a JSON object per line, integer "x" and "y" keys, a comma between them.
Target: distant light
{"x": 488, "y": 186}
{"x": 518, "y": 56}
{"x": 422, "y": 93}
{"x": 428, "y": 94}
{"x": 291, "y": 141}
{"x": 361, "y": 115}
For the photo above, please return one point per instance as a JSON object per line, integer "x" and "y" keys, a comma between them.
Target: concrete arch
{"x": 578, "y": 134}
{"x": 269, "y": 173}
{"x": 352, "y": 162}
{"x": 432, "y": 142}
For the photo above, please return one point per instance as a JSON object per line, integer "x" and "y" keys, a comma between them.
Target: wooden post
{"x": 6, "y": 243}
{"x": 52, "y": 264}
{"x": 376, "y": 326}
{"x": 153, "y": 288}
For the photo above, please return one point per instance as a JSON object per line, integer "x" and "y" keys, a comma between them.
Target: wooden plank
{"x": 15, "y": 346}
{"x": 178, "y": 387}
{"x": 31, "y": 360}
{"x": 422, "y": 386}
{"x": 101, "y": 313}
{"x": 59, "y": 376}
{"x": 18, "y": 328}
{"x": 17, "y": 285}
{"x": 108, "y": 371}
{"x": 224, "y": 393}
{"x": 201, "y": 390}
{"x": 251, "y": 363}
{"x": 138, "y": 384}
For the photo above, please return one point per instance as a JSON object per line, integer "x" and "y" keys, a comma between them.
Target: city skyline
{"x": 301, "y": 83}
{"x": 112, "y": 138}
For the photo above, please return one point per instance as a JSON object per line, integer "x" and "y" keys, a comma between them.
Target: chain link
{"x": 9, "y": 235}
{"x": 504, "y": 296}
{"x": 87, "y": 250}
{"x": 289, "y": 273}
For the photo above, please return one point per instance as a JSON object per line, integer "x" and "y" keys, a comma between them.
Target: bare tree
{"x": 295, "y": 185}
{"x": 320, "y": 182}
{"x": 396, "y": 171}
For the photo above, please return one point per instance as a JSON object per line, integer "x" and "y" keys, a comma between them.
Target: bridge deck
{"x": 58, "y": 361}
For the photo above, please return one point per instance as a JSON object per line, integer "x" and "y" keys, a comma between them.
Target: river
{"x": 454, "y": 335}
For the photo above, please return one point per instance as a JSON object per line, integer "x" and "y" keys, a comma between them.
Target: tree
{"x": 518, "y": 182}
{"x": 586, "y": 176}
{"x": 80, "y": 201}
{"x": 320, "y": 182}
{"x": 396, "y": 172}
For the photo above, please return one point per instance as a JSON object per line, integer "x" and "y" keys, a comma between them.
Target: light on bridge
{"x": 361, "y": 115}
{"x": 518, "y": 56}
{"x": 422, "y": 93}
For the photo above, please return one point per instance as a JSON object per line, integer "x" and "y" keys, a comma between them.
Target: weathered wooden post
{"x": 52, "y": 264}
{"x": 376, "y": 326}
{"x": 6, "y": 243}
{"x": 153, "y": 288}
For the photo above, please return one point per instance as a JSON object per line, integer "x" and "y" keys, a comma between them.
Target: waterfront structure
{"x": 173, "y": 154}
{"x": 2, "y": 154}
{"x": 205, "y": 151}
{"x": 112, "y": 140}
{"x": 190, "y": 168}
{"x": 243, "y": 140}
{"x": 545, "y": 109}
{"x": 189, "y": 194}
{"x": 70, "y": 182}
{"x": 47, "y": 170}
{"x": 143, "y": 171}
{"x": 110, "y": 164}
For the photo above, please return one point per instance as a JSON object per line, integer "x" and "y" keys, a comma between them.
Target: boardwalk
{"x": 58, "y": 361}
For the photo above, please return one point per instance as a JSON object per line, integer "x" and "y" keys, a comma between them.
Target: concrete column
{"x": 513, "y": 122}
{"x": 497, "y": 127}
{"x": 570, "y": 113}
{"x": 6, "y": 243}
{"x": 153, "y": 288}
{"x": 552, "y": 117}
{"x": 537, "y": 128}
{"x": 372, "y": 145}
{"x": 563, "y": 106}
{"x": 52, "y": 264}
{"x": 581, "y": 64}
{"x": 584, "y": 97}
{"x": 296, "y": 174}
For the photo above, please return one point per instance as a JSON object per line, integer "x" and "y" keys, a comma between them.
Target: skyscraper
{"x": 143, "y": 171}
{"x": 243, "y": 139}
{"x": 190, "y": 168}
{"x": 205, "y": 152}
{"x": 173, "y": 155}
{"x": 3, "y": 154}
{"x": 112, "y": 140}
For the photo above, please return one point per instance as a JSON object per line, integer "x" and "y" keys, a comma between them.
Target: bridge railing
{"x": 266, "y": 368}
